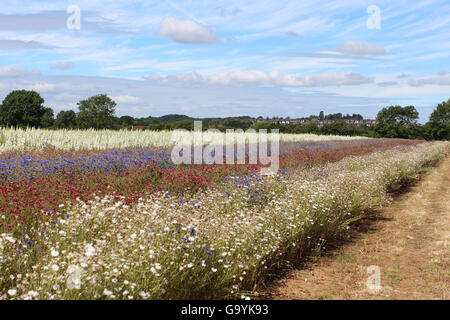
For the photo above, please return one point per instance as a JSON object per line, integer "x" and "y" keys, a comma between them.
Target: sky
{"x": 214, "y": 58}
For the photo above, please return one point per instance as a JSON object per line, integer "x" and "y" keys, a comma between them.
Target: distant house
{"x": 370, "y": 123}
{"x": 139, "y": 127}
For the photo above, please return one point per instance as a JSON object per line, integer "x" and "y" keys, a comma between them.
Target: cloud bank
{"x": 260, "y": 78}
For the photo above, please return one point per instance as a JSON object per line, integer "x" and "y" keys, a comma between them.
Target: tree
{"x": 96, "y": 112}
{"x": 22, "y": 108}
{"x": 397, "y": 122}
{"x": 321, "y": 116}
{"x": 66, "y": 119}
{"x": 126, "y": 120}
{"x": 438, "y": 127}
{"x": 48, "y": 118}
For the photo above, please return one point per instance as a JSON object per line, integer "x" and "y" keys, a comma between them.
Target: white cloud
{"x": 359, "y": 47}
{"x": 441, "y": 79}
{"x": 185, "y": 31}
{"x": 386, "y": 83}
{"x": 11, "y": 45}
{"x": 152, "y": 77}
{"x": 127, "y": 99}
{"x": 13, "y": 72}
{"x": 41, "y": 87}
{"x": 63, "y": 65}
{"x": 260, "y": 78}
{"x": 403, "y": 75}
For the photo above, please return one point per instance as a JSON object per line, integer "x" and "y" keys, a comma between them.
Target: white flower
{"x": 54, "y": 253}
{"x": 190, "y": 265}
{"x": 107, "y": 293}
{"x": 55, "y": 267}
{"x": 157, "y": 266}
{"x": 12, "y": 292}
{"x": 90, "y": 250}
{"x": 214, "y": 269}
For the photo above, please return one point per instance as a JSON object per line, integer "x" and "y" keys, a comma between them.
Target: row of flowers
{"x": 35, "y": 185}
{"x": 214, "y": 243}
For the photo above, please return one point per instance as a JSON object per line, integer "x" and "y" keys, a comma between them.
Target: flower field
{"x": 114, "y": 218}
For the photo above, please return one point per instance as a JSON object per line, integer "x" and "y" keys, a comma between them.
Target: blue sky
{"x": 208, "y": 58}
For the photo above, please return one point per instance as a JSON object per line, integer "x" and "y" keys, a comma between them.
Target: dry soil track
{"x": 409, "y": 242}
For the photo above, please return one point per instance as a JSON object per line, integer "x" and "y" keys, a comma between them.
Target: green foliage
{"x": 66, "y": 120}
{"x": 438, "y": 128}
{"x": 397, "y": 122}
{"x": 22, "y": 108}
{"x": 321, "y": 116}
{"x": 174, "y": 117}
{"x": 96, "y": 112}
{"x": 48, "y": 118}
{"x": 126, "y": 120}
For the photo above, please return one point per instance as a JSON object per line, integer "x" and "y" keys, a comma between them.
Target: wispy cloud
{"x": 260, "y": 78}
{"x": 63, "y": 65}
{"x": 441, "y": 79}
{"x": 13, "y": 72}
{"x": 12, "y": 45}
{"x": 359, "y": 47}
{"x": 185, "y": 31}
{"x": 386, "y": 84}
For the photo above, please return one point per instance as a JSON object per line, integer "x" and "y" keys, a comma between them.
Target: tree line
{"x": 22, "y": 108}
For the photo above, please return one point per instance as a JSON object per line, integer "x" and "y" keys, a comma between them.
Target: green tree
{"x": 48, "y": 118}
{"x": 126, "y": 120}
{"x": 397, "y": 122}
{"x": 22, "y": 108}
{"x": 438, "y": 127}
{"x": 66, "y": 119}
{"x": 321, "y": 116}
{"x": 96, "y": 112}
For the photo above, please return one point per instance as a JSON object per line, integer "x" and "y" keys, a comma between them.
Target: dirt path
{"x": 409, "y": 243}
